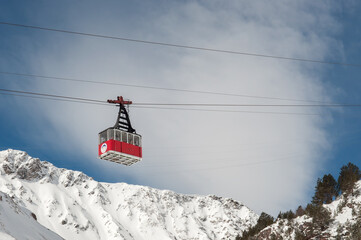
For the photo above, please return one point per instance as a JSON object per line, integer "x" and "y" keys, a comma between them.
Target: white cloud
{"x": 263, "y": 160}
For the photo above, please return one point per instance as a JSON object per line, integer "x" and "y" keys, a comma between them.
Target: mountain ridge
{"x": 75, "y": 206}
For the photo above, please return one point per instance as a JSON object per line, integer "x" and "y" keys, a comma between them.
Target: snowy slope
{"x": 19, "y": 223}
{"x": 346, "y": 213}
{"x": 345, "y": 221}
{"x": 75, "y": 206}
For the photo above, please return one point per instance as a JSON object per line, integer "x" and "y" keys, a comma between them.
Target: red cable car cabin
{"x": 120, "y": 144}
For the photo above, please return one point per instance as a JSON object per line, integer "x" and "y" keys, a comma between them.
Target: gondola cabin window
{"x": 103, "y": 136}
{"x": 118, "y": 135}
{"x": 124, "y": 137}
{"x": 136, "y": 141}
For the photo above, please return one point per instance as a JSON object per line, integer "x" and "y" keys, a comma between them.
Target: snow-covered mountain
{"x": 47, "y": 202}
{"x": 17, "y": 222}
{"x": 343, "y": 222}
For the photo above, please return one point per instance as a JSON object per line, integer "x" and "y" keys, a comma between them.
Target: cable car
{"x": 120, "y": 144}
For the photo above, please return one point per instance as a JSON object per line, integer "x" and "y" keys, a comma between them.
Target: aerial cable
{"x": 70, "y": 99}
{"x": 179, "y": 45}
{"x": 247, "y": 105}
{"x": 158, "y": 88}
{"x": 51, "y": 95}
{"x": 166, "y": 108}
{"x": 51, "y": 98}
{"x": 187, "y": 104}
{"x": 230, "y": 111}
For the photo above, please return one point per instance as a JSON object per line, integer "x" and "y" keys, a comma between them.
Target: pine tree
{"x": 286, "y": 215}
{"x": 263, "y": 221}
{"x": 325, "y": 190}
{"x": 318, "y": 197}
{"x": 321, "y": 217}
{"x": 330, "y": 188}
{"x": 349, "y": 175}
{"x": 300, "y": 211}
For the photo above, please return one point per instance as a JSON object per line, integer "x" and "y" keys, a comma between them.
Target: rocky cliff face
{"x": 75, "y": 206}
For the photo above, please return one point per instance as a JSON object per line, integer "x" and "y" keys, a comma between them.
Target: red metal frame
{"x": 121, "y": 147}
{"x": 120, "y": 100}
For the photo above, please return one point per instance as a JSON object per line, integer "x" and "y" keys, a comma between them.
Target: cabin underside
{"x": 118, "y": 157}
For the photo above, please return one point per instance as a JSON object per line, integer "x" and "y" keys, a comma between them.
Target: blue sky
{"x": 345, "y": 129}
{"x": 185, "y": 151}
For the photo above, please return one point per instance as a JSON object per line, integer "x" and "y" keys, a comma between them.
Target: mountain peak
{"x": 20, "y": 165}
{"x": 76, "y": 206}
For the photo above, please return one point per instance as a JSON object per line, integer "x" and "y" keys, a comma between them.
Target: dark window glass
{"x": 110, "y": 134}
{"x": 136, "y": 140}
{"x": 117, "y": 135}
{"x": 102, "y": 137}
{"x": 130, "y": 138}
{"x": 124, "y": 137}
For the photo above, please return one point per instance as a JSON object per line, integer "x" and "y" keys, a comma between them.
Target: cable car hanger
{"x": 120, "y": 143}
{"x": 122, "y": 115}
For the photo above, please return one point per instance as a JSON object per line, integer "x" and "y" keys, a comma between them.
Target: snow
{"x": 5, "y": 236}
{"x": 345, "y": 212}
{"x": 344, "y": 216}
{"x": 13, "y": 218}
{"x": 342, "y": 208}
{"x": 75, "y": 206}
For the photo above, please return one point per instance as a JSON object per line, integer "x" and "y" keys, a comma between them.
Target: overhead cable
{"x": 97, "y": 102}
{"x": 54, "y": 99}
{"x": 186, "y": 104}
{"x": 234, "y": 111}
{"x": 157, "y": 88}
{"x": 52, "y": 95}
{"x": 246, "y": 105}
{"x": 179, "y": 45}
